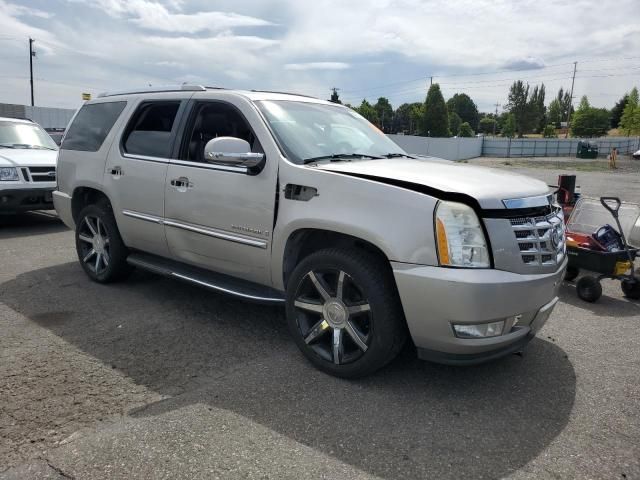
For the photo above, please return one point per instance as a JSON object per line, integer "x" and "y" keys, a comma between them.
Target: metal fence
{"x": 554, "y": 147}
{"x": 45, "y": 116}
{"x": 447, "y": 148}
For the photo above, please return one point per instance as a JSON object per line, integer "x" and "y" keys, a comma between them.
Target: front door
{"x": 217, "y": 216}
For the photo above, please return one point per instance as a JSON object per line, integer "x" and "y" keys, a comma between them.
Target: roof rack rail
{"x": 169, "y": 88}
{"x": 285, "y": 93}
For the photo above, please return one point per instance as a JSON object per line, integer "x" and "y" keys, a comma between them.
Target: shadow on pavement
{"x": 411, "y": 420}
{"x": 29, "y": 224}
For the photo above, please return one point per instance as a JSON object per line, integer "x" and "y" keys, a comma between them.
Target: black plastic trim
{"x": 475, "y": 358}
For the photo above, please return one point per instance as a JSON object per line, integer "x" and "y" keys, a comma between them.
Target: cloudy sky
{"x": 367, "y": 48}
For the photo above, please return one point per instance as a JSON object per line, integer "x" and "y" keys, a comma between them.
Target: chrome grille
{"x": 42, "y": 174}
{"x": 541, "y": 240}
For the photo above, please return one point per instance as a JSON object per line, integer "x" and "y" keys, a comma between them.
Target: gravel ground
{"x": 156, "y": 379}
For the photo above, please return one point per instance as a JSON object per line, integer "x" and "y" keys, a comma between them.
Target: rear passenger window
{"x": 91, "y": 126}
{"x": 149, "y": 132}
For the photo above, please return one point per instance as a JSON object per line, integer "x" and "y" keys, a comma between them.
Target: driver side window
{"x": 212, "y": 120}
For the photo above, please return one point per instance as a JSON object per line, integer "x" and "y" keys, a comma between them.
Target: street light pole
{"x": 31, "y": 55}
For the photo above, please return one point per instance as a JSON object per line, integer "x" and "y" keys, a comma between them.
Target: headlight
{"x": 460, "y": 238}
{"x": 8, "y": 174}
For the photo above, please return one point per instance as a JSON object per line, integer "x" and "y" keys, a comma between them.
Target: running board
{"x": 205, "y": 278}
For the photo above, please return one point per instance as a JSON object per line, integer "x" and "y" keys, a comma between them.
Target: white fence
{"x": 464, "y": 148}
{"x": 447, "y": 148}
{"x": 554, "y": 147}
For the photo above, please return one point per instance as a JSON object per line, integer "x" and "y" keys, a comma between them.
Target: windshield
{"x": 24, "y": 135}
{"x": 309, "y": 131}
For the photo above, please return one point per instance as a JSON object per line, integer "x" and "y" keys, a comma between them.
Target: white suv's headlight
{"x": 8, "y": 174}
{"x": 461, "y": 241}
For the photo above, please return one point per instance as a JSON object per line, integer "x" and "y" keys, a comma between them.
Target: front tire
{"x": 101, "y": 251}
{"x": 344, "y": 312}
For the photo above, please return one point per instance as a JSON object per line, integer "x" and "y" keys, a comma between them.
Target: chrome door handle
{"x": 181, "y": 183}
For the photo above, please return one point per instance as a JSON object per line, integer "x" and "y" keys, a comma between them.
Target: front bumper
{"x": 18, "y": 200}
{"x": 434, "y": 298}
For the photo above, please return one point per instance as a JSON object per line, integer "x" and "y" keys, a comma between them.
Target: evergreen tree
{"x": 466, "y": 130}
{"x": 466, "y": 109}
{"x": 589, "y": 121}
{"x": 454, "y": 123}
{"x": 335, "y": 98}
{"x": 617, "y": 110}
{"x": 630, "y": 121}
{"x": 435, "y": 120}
{"x": 384, "y": 111}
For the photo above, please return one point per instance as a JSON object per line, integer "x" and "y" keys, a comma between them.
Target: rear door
{"x": 221, "y": 217}
{"x": 137, "y": 167}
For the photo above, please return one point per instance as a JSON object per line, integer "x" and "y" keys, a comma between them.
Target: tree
{"x": 384, "y": 110}
{"x": 589, "y": 121}
{"x": 454, "y": 123}
{"x": 367, "y": 111}
{"x": 417, "y": 117}
{"x": 630, "y": 121}
{"x": 550, "y": 131}
{"x": 617, "y": 110}
{"x": 509, "y": 126}
{"x": 488, "y": 125}
{"x": 435, "y": 120}
{"x": 466, "y": 130}
{"x": 554, "y": 113}
{"x": 402, "y": 119}
{"x": 518, "y": 105}
{"x": 335, "y": 98}
{"x": 466, "y": 109}
{"x": 536, "y": 108}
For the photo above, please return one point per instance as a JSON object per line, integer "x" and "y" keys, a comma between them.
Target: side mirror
{"x": 231, "y": 151}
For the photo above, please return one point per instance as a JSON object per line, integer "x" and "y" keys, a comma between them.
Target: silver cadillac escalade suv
{"x": 286, "y": 199}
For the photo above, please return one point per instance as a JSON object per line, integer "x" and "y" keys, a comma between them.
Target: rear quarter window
{"x": 91, "y": 126}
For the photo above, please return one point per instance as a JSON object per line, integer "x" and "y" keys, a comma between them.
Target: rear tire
{"x": 101, "y": 251}
{"x": 631, "y": 288}
{"x": 344, "y": 312}
{"x": 589, "y": 289}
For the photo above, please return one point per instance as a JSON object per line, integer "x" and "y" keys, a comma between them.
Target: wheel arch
{"x": 83, "y": 196}
{"x": 304, "y": 241}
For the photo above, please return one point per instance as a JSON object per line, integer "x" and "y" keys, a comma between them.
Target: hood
{"x": 487, "y": 185}
{"x": 26, "y": 157}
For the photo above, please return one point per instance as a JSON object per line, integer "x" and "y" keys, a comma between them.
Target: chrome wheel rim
{"x": 95, "y": 248}
{"x": 333, "y": 316}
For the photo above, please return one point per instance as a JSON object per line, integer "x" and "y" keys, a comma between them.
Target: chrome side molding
{"x": 210, "y": 232}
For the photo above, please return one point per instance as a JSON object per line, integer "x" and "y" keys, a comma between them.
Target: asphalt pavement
{"x": 151, "y": 378}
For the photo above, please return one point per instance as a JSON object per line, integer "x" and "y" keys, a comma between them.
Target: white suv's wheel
{"x": 344, "y": 313}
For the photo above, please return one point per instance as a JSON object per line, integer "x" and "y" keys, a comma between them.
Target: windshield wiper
{"x": 7, "y": 145}
{"x": 338, "y": 157}
{"x": 397, "y": 155}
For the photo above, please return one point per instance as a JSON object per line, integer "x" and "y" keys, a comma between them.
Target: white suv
{"x": 27, "y": 166}
{"x": 281, "y": 198}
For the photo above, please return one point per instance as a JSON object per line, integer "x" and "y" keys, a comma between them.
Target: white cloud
{"x": 317, "y": 66}
{"x": 153, "y": 15}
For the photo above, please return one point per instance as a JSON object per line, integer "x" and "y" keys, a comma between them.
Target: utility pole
{"x": 31, "y": 55}
{"x": 496, "y": 122}
{"x": 566, "y": 135}
{"x": 430, "y": 80}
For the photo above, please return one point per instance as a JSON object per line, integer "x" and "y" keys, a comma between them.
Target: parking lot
{"x": 151, "y": 378}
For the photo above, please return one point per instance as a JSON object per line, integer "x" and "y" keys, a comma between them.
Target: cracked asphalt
{"x": 151, "y": 378}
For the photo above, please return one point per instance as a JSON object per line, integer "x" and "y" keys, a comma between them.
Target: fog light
{"x": 482, "y": 330}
